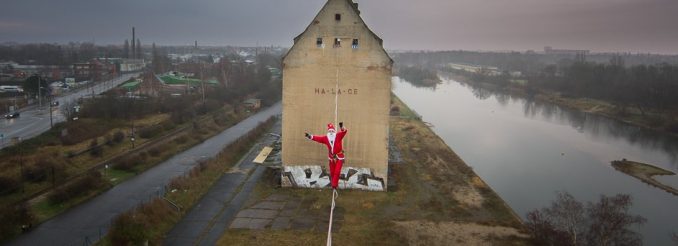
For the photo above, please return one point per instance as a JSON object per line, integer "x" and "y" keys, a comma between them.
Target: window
{"x": 319, "y": 42}
{"x": 337, "y": 17}
{"x": 355, "y": 43}
{"x": 337, "y": 42}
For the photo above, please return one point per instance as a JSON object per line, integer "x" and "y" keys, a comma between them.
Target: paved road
{"x": 34, "y": 120}
{"x": 208, "y": 219}
{"x": 85, "y": 223}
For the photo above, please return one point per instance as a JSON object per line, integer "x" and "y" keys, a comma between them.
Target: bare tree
{"x": 568, "y": 222}
{"x": 610, "y": 221}
{"x": 568, "y": 215}
{"x": 68, "y": 109}
{"x": 543, "y": 230}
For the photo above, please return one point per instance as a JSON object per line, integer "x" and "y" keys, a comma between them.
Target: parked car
{"x": 55, "y": 103}
{"x": 12, "y": 115}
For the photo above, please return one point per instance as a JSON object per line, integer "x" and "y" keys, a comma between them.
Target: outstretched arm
{"x": 319, "y": 139}
{"x": 342, "y": 130}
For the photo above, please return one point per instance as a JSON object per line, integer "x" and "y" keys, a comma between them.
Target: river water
{"x": 527, "y": 151}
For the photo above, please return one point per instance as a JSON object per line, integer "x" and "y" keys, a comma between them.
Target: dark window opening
{"x": 337, "y": 42}
{"x": 355, "y": 43}
{"x": 319, "y": 42}
{"x": 337, "y": 17}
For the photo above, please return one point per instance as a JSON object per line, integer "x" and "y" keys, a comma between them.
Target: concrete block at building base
{"x": 317, "y": 177}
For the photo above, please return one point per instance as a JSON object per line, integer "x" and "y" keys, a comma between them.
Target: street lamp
{"x": 39, "y": 89}
{"x": 51, "y": 122}
{"x": 202, "y": 82}
{"x": 132, "y": 139}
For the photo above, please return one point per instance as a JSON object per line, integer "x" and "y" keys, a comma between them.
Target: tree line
{"x": 57, "y": 54}
{"x": 525, "y": 62}
{"x": 641, "y": 86}
{"x": 418, "y": 76}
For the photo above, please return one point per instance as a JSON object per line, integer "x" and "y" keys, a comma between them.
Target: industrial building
{"x": 336, "y": 65}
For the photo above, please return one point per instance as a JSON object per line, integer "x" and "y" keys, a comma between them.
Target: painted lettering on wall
{"x": 332, "y": 91}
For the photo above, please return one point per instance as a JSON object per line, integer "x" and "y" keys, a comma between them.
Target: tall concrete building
{"x": 337, "y": 70}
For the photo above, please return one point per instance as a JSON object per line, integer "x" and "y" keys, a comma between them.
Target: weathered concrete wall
{"x": 310, "y": 75}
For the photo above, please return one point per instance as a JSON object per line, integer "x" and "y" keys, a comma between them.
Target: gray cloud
{"x": 602, "y": 25}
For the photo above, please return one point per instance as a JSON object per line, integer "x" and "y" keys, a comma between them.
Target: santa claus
{"x": 333, "y": 141}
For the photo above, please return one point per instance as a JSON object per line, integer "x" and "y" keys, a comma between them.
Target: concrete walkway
{"x": 208, "y": 219}
{"x": 86, "y": 223}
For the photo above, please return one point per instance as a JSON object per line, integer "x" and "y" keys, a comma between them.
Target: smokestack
{"x": 134, "y": 50}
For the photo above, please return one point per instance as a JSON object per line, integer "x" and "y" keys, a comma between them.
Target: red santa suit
{"x": 333, "y": 141}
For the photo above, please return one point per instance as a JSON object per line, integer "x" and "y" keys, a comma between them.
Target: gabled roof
{"x": 354, "y": 6}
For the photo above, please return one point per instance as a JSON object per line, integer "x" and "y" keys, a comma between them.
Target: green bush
{"x": 155, "y": 151}
{"x": 8, "y": 186}
{"x": 108, "y": 140}
{"x": 128, "y": 230}
{"x": 167, "y": 125}
{"x": 14, "y": 219}
{"x": 395, "y": 110}
{"x": 150, "y": 131}
{"x": 39, "y": 171}
{"x": 139, "y": 225}
{"x": 118, "y": 137}
{"x": 181, "y": 139}
{"x": 95, "y": 149}
{"x": 81, "y": 186}
{"x": 81, "y": 130}
{"x": 128, "y": 163}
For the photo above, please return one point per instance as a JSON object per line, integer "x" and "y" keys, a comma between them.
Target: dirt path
{"x": 453, "y": 233}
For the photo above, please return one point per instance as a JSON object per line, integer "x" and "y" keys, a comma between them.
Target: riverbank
{"x": 645, "y": 172}
{"x": 437, "y": 200}
{"x": 665, "y": 122}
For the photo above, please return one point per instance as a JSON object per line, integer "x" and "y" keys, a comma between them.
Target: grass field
{"x": 176, "y": 80}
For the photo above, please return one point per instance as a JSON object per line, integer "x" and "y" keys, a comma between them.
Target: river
{"x": 527, "y": 151}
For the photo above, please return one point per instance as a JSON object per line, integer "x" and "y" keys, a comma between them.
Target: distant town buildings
{"x": 95, "y": 69}
{"x": 252, "y": 103}
{"x": 130, "y": 65}
{"x": 551, "y": 51}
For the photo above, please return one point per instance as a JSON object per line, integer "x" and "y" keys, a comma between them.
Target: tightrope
{"x": 335, "y": 194}
{"x": 336, "y": 99}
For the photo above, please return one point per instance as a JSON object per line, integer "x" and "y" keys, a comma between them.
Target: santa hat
{"x": 330, "y": 127}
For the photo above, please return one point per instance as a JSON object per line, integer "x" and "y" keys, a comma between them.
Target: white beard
{"x": 331, "y": 137}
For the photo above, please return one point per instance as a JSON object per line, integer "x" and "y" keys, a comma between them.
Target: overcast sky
{"x": 599, "y": 25}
